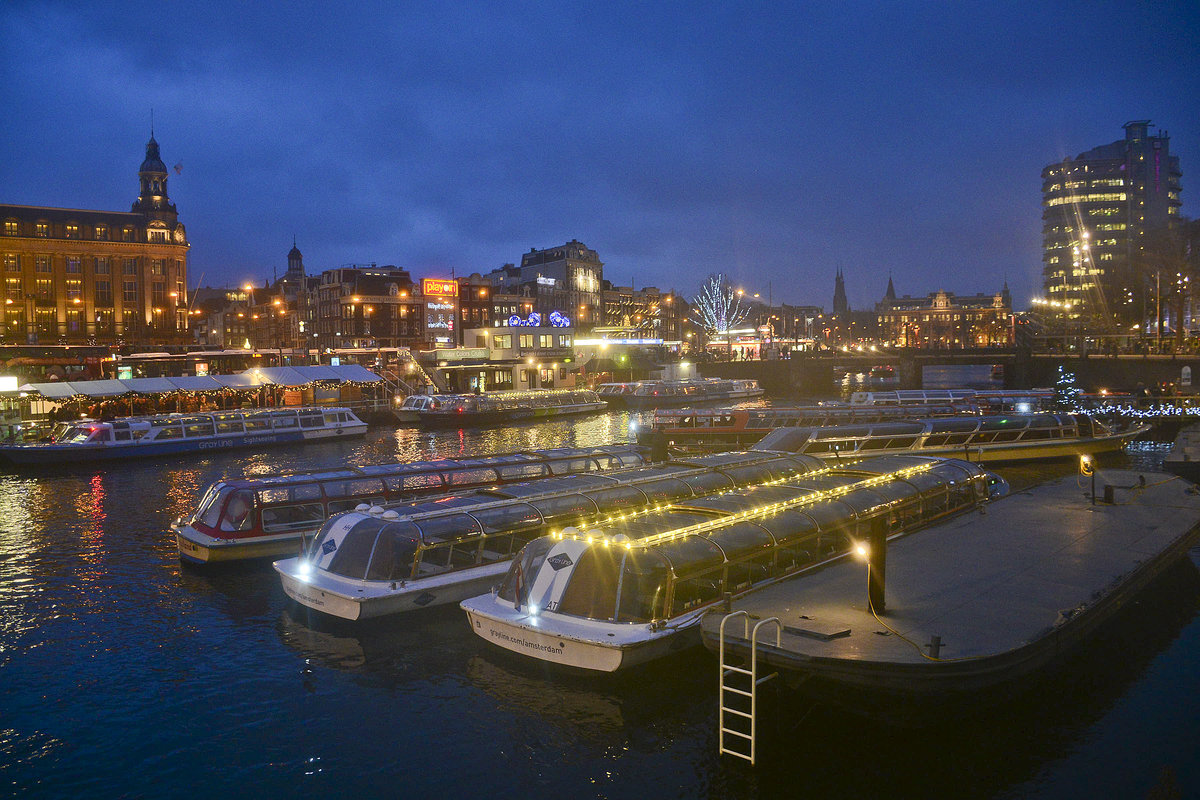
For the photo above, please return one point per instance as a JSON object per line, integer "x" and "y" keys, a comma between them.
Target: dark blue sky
{"x": 774, "y": 143}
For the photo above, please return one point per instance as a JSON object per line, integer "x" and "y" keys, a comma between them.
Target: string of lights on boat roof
{"x": 754, "y": 513}
{"x": 392, "y": 516}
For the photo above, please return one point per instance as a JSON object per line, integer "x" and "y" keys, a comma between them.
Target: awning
{"x": 146, "y": 385}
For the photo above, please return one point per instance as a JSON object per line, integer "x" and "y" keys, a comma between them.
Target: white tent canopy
{"x": 250, "y": 379}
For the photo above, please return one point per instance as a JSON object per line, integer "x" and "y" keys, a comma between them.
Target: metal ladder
{"x": 746, "y": 677}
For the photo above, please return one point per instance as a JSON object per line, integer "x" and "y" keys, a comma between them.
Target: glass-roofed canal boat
{"x": 991, "y": 439}
{"x": 270, "y": 516}
{"x": 491, "y": 408}
{"x": 390, "y": 559}
{"x": 87, "y": 440}
{"x": 628, "y": 591}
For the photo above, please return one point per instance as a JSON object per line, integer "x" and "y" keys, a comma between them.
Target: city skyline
{"x": 675, "y": 140}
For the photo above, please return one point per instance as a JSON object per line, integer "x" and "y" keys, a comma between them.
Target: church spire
{"x": 890, "y": 294}
{"x": 840, "y": 305}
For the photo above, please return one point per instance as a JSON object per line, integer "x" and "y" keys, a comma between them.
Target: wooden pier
{"x": 979, "y": 602}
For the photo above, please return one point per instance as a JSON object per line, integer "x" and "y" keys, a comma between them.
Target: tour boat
{"x": 737, "y": 428}
{"x": 656, "y": 394}
{"x": 990, "y": 439}
{"x": 487, "y": 408}
{"x": 174, "y": 434}
{"x": 630, "y": 591}
{"x": 270, "y": 516}
{"x": 386, "y": 560}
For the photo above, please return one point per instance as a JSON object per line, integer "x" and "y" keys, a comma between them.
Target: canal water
{"x": 126, "y": 674}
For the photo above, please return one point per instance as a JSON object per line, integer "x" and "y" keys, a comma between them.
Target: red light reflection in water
{"x": 91, "y": 508}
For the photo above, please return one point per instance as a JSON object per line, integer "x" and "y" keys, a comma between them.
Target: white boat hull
{"x": 356, "y": 600}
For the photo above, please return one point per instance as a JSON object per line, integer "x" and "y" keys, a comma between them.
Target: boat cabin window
{"x": 238, "y": 514}
{"x": 257, "y": 422}
{"x": 312, "y": 420}
{"x": 208, "y": 512}
{"x": 297, "y": 516}
{"x": 514, "y": 472}
{"x": 471, "y": 477}
{"x": 616, "y": 498}
{"x": 665, "y": 489}
{"x": 353, "y": 552}
{"x": 229, "y": 424}
{"x": 707, "y": 482}
{"x": 572, "y": 505}
{"x": 592, "y": 590}
{"x": 283, "y": 420}
{"x": 508, "y": 517}
{"x": 198, "y": 427}
{"x": 169, "y": 432}
{"x": 332, "y": 418}
{"x": 395, "y": 552}
{"x": 523, "y": 569}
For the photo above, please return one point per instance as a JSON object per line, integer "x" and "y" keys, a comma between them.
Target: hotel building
{"x": 107, "y": 277}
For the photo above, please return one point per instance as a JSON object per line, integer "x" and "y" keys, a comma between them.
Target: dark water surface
{"x": 126, "y": 674}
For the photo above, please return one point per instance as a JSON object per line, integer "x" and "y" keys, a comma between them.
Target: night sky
{"x": 675, "y": 139}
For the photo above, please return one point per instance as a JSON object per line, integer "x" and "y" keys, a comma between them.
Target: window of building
{"x": 11, "y": 227}
{"x": 127, "y": 234}
{"x": 158, "y": 266}
{"x": 104, "y": 294}
{"x": 158, "y": 294}
{"x": 74, "y": 320}
{"x": 42, "y": 229}
{"x": 546, "y": 340}
{"x": 564, "y": 340}
{"x": 46, "y": 320}
{"x": 526, "y": 341}
{"x": 130, "y": 267}
{"x": 12, "y": 262}
{"x": 102, "y": 233}
{"x": 156, "y": 235}
{"x": 72, "y": 230}
{"x": 41, "y": 264}
{"x": 102, "y": 266}
{"x": 74, "y": 288}
{"x": 43, "y": 288}
{"x": 13, "y": 288}
{"x": 73, "y": 264}
{"x": 104, "y": 320}
{"x": 130, "y": 295}
{"x": 503, "y": 341}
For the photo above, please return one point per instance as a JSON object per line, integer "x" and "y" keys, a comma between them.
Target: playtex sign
{"x": 441, "y": 308}
{"x": 534, "y": 320}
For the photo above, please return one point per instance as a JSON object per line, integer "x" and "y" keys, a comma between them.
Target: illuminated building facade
{"x": 369, "y": 306}
{"x": 1097, "y": 209}
{"x": 73, "y": 276}
{"x": 566, "y": 279}
{"x": 645, "y": 313}
{"x": 943, "y": 320}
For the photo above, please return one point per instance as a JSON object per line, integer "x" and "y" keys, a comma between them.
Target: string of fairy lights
{"x": 768, "y": 509}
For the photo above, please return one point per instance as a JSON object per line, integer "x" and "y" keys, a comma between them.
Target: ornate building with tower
{"x": 73, "y": 276}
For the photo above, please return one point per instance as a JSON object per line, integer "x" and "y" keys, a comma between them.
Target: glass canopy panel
{"x": 562, "y": 507}
{"x": 742, "y": 539}
{"x": 448, "y": 528}
{"x": 788, "y": 440}
{"x": 787, "y": 526}
{"x": 616, "y": 498}
{"x": 707, "y": 482}
{"x": 395, "y": 550}
{"x": 507, "y": 517}
{"x": 665, "y": 489}
{"x": 863, "y": 500}
{"x": 689, "y": 554}
{"x": 354, "y": 550}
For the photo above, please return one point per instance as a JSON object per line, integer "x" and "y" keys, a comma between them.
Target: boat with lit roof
{"x": 269, "y": 516}
{"x": 382, "y": 560}
{"x": 88, "y": 440}
{"x": 491, "y": 408}
{"x": 625, "y": 592}
{"x": 990, "y": 439}
{"x": 639, "y": 395}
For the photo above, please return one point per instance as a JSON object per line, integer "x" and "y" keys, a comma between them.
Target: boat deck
{"x": 1005, "y": 590}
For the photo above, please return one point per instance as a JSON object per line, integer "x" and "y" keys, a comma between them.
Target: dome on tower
{"x": 153, "y": 162}
{"x": 294, "y": 253}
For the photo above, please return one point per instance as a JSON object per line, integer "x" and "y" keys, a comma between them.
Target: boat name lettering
{"x": 528, "y": 645}
{"x": 559, "y": 561}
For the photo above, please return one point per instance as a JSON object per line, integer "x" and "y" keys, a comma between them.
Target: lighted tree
{"x": 717, "y": 309}
{"x": 1067, "y": 395}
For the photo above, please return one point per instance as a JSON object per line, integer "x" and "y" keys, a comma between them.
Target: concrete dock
{"x": 1005, "y": 591}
